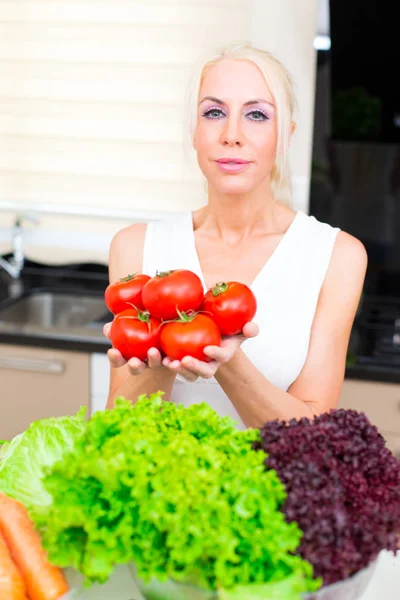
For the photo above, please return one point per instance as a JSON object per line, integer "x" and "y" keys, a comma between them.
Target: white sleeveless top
{"x": 286, "y": 288}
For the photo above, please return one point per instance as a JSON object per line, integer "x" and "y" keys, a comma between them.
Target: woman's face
{"x": 236, "y": 120}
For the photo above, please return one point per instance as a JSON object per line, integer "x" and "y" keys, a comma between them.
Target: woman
{"x": 307, "y": 276}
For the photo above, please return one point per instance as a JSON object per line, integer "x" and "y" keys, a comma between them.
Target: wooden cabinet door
{"x": 36, "y": 383}
{"x": 393, "y": 443}
{"x": 380, "y": 402}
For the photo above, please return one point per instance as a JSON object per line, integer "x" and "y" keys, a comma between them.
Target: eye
{"x": 213, "y": 113}
{"x": 258, "y": 115}
{"x": 217, "y": 113}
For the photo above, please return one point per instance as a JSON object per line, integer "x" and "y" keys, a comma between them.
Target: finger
{"x": 107, "y": 329}
{"x": 230, "y": 344}
{"x": 198, "y": 367}
{"x": 220, "y": 354}
{"x": 166, "y": 361}
{"x": 176, "y": 367}
{"x": 226, "y": 349}
{"x": 173, "y": 365}
{"x": 187, "y": 374}
{"x": 115, "y": 357}
{"x": 154, "y": 358}
{"x": 136, "y": 366}
{"x": 250, "y": 330}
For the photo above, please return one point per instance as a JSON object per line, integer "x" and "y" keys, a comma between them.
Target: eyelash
{"x": 209, "y": 110}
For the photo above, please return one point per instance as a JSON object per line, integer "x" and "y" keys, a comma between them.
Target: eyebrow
{"x": 222, "y": 103}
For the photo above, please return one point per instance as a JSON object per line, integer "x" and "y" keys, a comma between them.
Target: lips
{"x": 233, "y": 165}
{"x": 238, "y": 161}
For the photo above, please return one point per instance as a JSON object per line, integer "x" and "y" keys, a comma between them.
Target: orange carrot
{"x": 11, "y": 584}
{"x": 42, "y": 580}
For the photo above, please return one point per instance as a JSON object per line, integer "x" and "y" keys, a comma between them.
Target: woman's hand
{"x": 136, "y": 366}
{"x": 191, "y": 368}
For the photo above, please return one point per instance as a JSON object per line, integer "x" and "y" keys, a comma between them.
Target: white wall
{"x": 288, "y": 29}
{"x": 91, "y": 106}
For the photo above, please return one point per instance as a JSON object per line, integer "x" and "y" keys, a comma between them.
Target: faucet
{"x": 16, "y": 263}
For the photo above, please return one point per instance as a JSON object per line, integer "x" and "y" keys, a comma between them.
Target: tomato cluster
{"x": 170, "y": 312}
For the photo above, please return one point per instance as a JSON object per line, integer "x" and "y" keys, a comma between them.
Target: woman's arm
{"x": 125, "y": 257}
{"x": 318, "y": 387}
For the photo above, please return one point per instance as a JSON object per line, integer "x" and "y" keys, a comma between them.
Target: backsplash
{"x": 83, "y": 234}
{"x": 61, "y": 239}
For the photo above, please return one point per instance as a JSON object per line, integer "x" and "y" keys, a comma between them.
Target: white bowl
{"x": 125, "y": 585}
{"x": 120, "y": 586}
{"x": 348, "y": 589}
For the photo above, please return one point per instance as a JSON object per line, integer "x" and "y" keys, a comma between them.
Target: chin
{"x": 233, "y": 187}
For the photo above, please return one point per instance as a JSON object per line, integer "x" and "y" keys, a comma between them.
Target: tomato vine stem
{"x": 219, "y": 288}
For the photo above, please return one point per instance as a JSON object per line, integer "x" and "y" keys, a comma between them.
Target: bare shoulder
{"x": 349, "y": 260}
{"x": 126, "y": 251}
{"x": 345, "y": 277}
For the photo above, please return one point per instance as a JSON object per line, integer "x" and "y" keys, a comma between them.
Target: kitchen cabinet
{"x": 380, "y": 402}
{"x": 39, "y": 382}
{"x": 393, "y": 443}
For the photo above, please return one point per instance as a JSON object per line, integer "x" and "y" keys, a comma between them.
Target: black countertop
{"x": 91, "y": 279}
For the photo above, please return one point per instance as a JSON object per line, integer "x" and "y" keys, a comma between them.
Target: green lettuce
{"x": 25, "y": 459}
{"x": 179, "y": 492}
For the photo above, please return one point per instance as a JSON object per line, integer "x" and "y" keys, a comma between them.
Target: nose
{"x": 231, "y": 134}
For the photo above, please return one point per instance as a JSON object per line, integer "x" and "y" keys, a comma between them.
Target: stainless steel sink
{"x": 55, "y": 315}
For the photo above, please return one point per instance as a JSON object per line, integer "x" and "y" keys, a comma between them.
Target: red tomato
{"x": 188, "y": 336}
{"x": 125, "y": 293}
{"x": 231, "y": 305}
{"x": 134, "y": 332}
{"x": 168, "y": 293}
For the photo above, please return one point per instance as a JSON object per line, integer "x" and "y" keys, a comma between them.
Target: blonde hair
{"x": 281, "y": 85}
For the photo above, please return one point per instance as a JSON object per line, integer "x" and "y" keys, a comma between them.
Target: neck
{"x": 240, "y": 214}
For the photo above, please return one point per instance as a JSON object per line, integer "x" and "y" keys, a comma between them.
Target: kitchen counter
{"x": 92, "y": 279}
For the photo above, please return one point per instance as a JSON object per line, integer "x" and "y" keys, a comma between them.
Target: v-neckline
{"x": 266, "y": 266}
